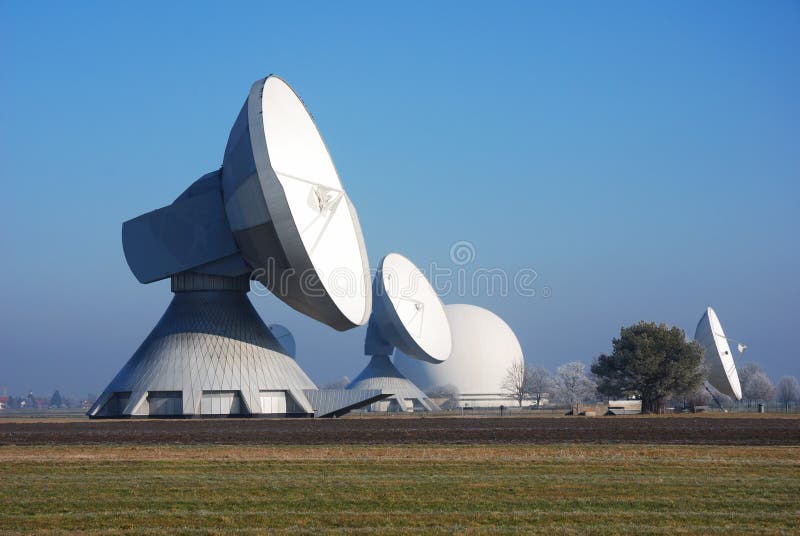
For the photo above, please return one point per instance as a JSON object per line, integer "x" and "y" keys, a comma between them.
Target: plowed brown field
{"x": 690, "y": 429}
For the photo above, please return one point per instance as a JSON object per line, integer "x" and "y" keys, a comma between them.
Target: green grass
{"x": 406, "y": 489}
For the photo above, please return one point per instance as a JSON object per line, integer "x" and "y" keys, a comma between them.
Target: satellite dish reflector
{"x": 276, "y": 211}
{"x": 289, "y": 212}
{"x": 408, "y": 314}
{"x": 718, "y": 358}
{"x": 285, "y": 338}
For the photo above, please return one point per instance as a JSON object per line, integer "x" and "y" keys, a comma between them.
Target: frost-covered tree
{"x": 756, "y": 385}
{"x": 573, "y": 386}
{"x": 540, "y": 384}
{"x": 788, "y": 391}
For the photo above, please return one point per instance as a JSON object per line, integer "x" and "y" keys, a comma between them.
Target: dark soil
{"x": 654, "y": 430}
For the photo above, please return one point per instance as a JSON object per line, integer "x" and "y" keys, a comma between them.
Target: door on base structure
{"x": 165, "y": 403}
{"x": 221, "y": 403}
{"x": 273, "y": 402}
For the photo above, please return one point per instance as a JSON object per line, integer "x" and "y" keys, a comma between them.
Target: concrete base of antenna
{"x": 381, "y": 374}
{"x": 212, "y": 355}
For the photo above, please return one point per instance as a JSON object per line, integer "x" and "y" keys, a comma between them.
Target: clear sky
{"x": 643, "y": 158}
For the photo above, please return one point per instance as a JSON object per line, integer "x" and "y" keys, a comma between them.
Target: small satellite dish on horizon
{"x": 722, "y": 369}
{"x": 409, "y": 316}
{"x": 285, "y": 338}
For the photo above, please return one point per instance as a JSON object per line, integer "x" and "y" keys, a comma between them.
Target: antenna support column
{"x": 705, "y": 384}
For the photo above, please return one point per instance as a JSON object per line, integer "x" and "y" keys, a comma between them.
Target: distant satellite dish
{"x": 276, "y": 211}
{"x": 718, "y": 358}
{"x": 408, "y": 314}
{"x": 285, "y": 338}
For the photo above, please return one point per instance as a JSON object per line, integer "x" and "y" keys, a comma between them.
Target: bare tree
{"x": 788, "y": 391}
{"x": 756, "y": 385}
{"x": 515, "y": 384}
{"x": 573, "y": 385}
{"x": 540, "y": 384}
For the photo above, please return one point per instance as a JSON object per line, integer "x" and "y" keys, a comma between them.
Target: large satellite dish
{"x": 276, "y": 212}
{"x": 718, "y": 358}
{"x": 407, "y": 315}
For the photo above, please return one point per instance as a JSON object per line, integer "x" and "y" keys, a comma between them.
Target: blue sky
{"x": 643, "y": 158}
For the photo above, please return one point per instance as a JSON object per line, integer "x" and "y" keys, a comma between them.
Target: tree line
{"x": 570, "y": 385}
{"x": 650, "y": 362}
{"x": 56, "y": 400}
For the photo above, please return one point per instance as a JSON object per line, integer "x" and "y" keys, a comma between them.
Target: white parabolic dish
{"x": 289, "y": 213}
{"x": 408, "y": 311}
{"x": 722, "y": 370}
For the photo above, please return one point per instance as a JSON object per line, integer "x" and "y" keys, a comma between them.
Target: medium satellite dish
{"x": 407, "y": 315}
{"x": 285, "y": 338}
{"x": 276, "y": 211}
{"x": 718, "y": 357}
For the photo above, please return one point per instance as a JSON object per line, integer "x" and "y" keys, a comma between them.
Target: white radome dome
{"x": 484, "y": 347}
